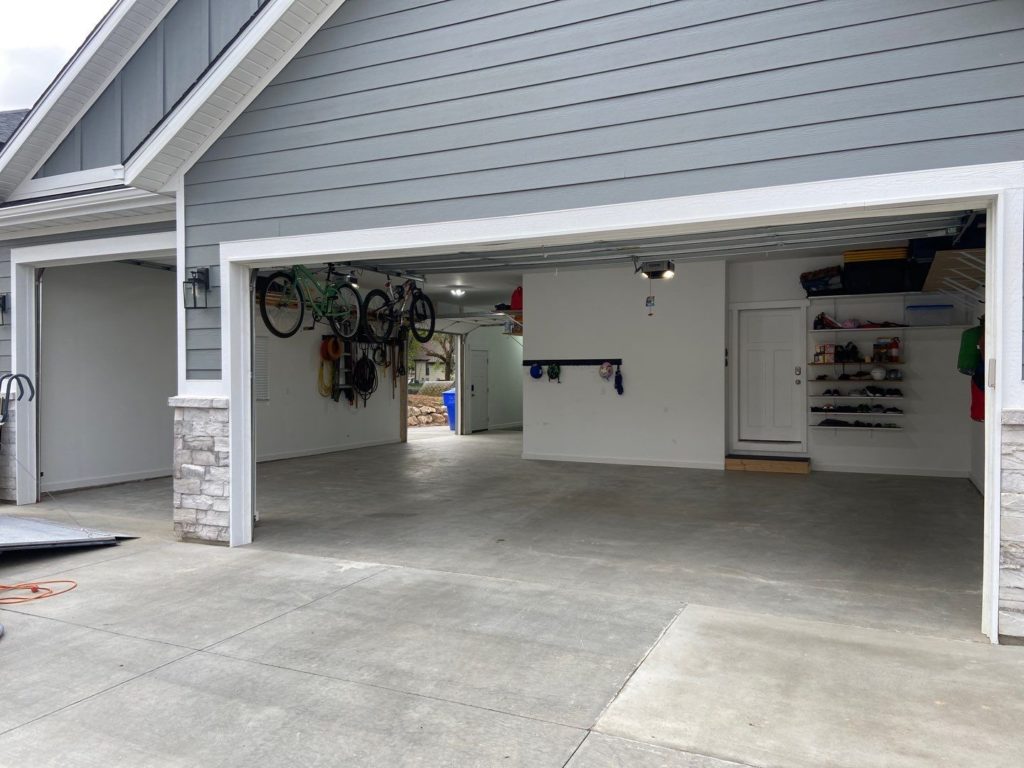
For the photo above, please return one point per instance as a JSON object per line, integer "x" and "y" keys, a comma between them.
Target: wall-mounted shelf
{"x": 891, "y": 330}
{"x": 858, "y": 429}
{"x": 874, "y": 296}
{"x": 854, "y": 362}
{"x": 866, "y": 380}
{"x": 575, "y": 361}
{"x": 855, "y": 397}
{"x": 849, "y": 415}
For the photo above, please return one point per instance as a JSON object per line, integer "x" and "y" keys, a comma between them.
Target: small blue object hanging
{"x": 618, "y": 380}
{"x": 536, "y": 370}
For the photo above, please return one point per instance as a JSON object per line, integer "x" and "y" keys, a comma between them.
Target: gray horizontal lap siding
{"x": 409, "y": 111}
{"x": 170, "y": 60}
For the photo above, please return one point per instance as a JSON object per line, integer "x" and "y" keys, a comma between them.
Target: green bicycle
{"x": 284, "y": 295}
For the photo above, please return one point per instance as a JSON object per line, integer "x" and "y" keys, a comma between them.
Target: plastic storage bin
{"x": 929, "y": 314}
{"x": 449, "y": 404}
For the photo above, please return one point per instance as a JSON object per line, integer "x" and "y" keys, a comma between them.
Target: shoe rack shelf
{"x": 892, "y": 330}
{"x": 858, "y": 429}
{"x": 895, "y": 306}
{"x": 855, "y": 397}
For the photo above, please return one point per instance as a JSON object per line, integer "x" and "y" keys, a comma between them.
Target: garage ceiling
{"x": 809, "y": 239}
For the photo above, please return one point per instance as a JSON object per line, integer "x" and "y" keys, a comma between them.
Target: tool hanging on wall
{"x": 618, "y": 380}
{"x": 6, "y": 386}
{"x": 364, "y": 377}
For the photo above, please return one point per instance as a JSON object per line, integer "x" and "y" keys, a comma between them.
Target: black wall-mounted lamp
{"x": 196, "y": 287}
{"x": 4, "y": 305}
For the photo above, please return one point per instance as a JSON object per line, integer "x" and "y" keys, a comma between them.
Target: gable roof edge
{"x": 80, "y": 82}
{"x": 252, "y": 61}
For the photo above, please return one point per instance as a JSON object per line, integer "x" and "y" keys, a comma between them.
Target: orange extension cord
{"x": 38, "y": 590}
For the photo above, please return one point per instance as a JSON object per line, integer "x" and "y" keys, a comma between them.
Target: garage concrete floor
{"x": 446, "y": 603}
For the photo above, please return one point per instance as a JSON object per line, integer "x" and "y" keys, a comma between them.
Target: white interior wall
{"x": 673, "y": 409}
{"x": 938, "y": 438}
{"x": 297, "y": 421}
{"x": 504, "y": 375}
{"x": 107, "y": 368}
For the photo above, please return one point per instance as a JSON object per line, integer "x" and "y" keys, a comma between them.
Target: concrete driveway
{"x": 472, "y": 633}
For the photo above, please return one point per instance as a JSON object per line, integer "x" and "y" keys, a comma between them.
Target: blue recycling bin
{"x": 449, "y": 404}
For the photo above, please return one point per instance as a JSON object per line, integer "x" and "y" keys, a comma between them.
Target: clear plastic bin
{"x": 929, "y": 314}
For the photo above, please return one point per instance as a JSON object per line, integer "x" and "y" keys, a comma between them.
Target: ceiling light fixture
{"x": 657, "y": 270}
{"x": 457, "y": 292}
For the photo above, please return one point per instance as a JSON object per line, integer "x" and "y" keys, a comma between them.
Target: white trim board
{"x": 65, "y": 183}
{"x": 996, "y": 187}
{"x": 88, "y": 211}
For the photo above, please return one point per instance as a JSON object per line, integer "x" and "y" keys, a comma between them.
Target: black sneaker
{"x": 893, "y": 393}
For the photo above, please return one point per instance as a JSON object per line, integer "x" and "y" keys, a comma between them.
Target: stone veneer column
{"x": 8, "y": 459}
{"x": 201, "y": 466}
{"x": 1011, "y": 527}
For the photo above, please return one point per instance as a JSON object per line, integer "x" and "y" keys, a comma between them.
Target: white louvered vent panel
{"x": 261, "y": 368}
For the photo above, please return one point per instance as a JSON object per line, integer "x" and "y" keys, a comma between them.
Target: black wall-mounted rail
{"x": 576, "y": 361}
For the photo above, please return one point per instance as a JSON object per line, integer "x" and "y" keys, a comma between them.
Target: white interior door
{"x": 771, "y": 401}
{"x": 478, "y": 390}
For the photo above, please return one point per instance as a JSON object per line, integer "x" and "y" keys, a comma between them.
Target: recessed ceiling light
{"x": 458, "y": 292}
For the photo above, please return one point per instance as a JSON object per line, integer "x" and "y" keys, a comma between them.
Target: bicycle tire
{"x": 283, "y": 280}
{"x": 377, "y": 320}
{"x": 421, "y": 314}
{"x": 346, "y": 324}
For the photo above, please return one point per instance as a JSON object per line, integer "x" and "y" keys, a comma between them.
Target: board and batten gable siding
{"x": 409, "y": 111}
{"x": 187, "y": 39}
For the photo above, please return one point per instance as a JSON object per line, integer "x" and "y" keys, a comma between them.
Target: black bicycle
{"x": 398, "y": 307}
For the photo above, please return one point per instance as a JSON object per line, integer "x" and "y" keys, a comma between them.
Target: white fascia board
{"x": 148, "y": 246}
{"x": 187, "y": 133}
{"x": 45, "y": 215}
{"x": 868, "y": 196}
{"x": 78, "y": 181}
{"x": 65, "y": 102}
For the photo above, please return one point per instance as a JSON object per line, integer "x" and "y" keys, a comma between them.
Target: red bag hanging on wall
{"x": 517, "y": 299}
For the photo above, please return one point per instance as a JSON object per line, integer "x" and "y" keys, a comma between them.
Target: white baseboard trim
{"x": 95, "y": 482}
{"x": 305, "y": 453}
{"x": 889, "y": 470}
{"x": 529, "y": 455}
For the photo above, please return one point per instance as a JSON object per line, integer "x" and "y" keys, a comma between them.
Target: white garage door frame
{"x": 25, "y": 347}
{"x": 998, "y": 188}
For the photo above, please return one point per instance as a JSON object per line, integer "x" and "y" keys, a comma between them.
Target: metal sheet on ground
{"x": 32, "y": 533}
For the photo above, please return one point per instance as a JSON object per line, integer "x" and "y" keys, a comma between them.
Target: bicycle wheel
{"x": 421, "y": 317}
{"x": 282, "y": 305}
{"x": 345, "y": 310}
{"x": 377, "y": 318}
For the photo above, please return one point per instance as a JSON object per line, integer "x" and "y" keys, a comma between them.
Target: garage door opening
{"x": 105, "y": 374}
{"x": 630, "y": 495}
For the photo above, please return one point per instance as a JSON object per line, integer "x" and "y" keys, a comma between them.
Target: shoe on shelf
{"x": 893, "y": 410}
{"x": 893, "y": 393}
